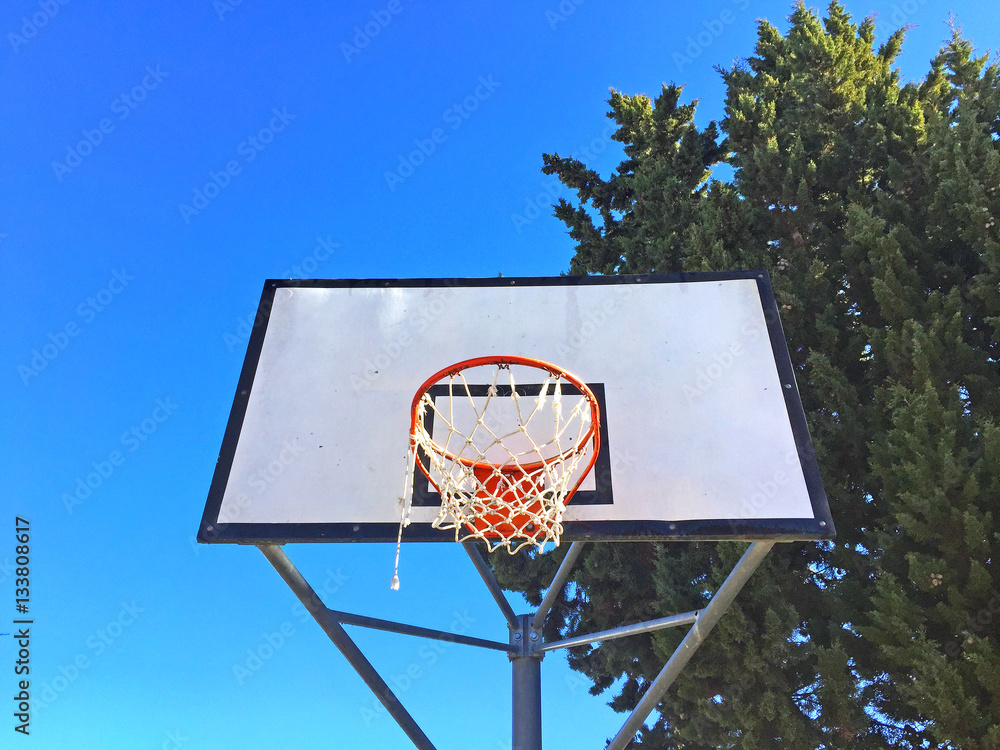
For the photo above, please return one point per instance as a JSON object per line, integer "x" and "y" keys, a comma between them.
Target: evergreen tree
{"x": 872, "y": 204}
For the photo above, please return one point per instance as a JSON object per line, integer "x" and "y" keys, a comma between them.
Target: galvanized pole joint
{"x": 526, "y": 683}
{"x": 524, "y": 640}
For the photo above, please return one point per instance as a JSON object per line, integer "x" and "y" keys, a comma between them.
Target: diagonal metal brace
{"x": 301, "y": 588}
{"x": 556, "y": 587}
{"x": 491, "y": 583}
{"x": 709, "y": 616}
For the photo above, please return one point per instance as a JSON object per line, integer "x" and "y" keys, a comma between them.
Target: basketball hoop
{"x": 508, "y": 457}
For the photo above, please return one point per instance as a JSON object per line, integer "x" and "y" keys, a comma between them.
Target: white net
{"x": 504, "y": 457}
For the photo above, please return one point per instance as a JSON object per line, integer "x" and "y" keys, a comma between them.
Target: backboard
{"x": 702, "y": 433}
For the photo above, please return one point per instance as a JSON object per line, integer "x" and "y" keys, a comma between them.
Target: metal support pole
{"x": 557, "y": 584}
{"x": 301, "y": 588}
{"x": 491, "y": 583}
{"x": 526, "y": 672}
{"x": 709, "y": 616}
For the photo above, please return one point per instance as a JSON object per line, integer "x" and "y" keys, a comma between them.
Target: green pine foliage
{"x": 873, "y": 205}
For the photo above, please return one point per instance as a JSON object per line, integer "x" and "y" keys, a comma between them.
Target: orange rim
{"x": 592, "y": 435}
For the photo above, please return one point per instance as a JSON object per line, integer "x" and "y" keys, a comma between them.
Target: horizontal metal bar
{"x": 709, "y": 616}
{"x": 398, "y": 627}
{"x": 491, "y": 584}
{"x": 556, "y": 587}
{"x": 649, "y": 626}
{"x": 323, "y": 616}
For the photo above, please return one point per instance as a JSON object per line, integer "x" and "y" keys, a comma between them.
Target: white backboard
{"x": 703, "y": 435}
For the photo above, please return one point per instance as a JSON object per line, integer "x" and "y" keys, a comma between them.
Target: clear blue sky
{"x": 125, "y": 293}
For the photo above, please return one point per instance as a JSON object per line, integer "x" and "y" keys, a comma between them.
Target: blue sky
{"x": 157, "y": 163}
